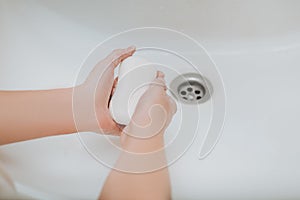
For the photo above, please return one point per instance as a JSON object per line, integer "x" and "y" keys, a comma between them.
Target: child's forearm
{"x": 147, "y": 185}
{"x": 32, "y": 114}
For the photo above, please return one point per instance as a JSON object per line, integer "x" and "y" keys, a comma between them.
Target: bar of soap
{"x": 135, "y": 75}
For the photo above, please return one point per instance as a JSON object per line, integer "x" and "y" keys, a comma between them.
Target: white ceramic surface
{"x": 256, "y": 46}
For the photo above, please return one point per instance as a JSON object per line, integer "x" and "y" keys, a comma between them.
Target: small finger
{"x": 118, "y": 55}
{"x": 111, "y": 61}
{"x": 159, "y": 82}
{"x": 160, "y": 74}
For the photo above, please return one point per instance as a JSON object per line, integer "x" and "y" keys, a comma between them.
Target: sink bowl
{"x": 251, "y": 48}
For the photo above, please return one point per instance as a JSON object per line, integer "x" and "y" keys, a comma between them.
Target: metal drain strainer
{"x": 191, "y": 88}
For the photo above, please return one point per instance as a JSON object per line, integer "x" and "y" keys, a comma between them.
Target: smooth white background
{"x": 256, "y": 46}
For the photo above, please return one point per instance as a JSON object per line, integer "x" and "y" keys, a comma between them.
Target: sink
{"x": 251, "y": 48}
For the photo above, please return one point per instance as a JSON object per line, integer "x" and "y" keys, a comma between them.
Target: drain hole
{"x": 190, "y": 89}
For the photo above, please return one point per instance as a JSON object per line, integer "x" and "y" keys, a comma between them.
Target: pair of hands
{"x": 153, "y": 113}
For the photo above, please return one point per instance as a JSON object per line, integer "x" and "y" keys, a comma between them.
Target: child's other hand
{"x": 91, "y": 99}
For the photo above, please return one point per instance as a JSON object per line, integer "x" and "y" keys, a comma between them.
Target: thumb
{"x": 116, "y": 130}
{"x": 159, "y": 83}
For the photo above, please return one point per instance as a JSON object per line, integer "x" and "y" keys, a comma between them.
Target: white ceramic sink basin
{"x": 256, "y": 47}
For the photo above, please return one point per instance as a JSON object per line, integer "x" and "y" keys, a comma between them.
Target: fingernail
{"x": 160, "y": 74}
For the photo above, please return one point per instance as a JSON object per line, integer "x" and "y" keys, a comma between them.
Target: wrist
{"x": 65, "y": 108}
{"x": 86, "y": 114}
{"x": 141, "y": 145}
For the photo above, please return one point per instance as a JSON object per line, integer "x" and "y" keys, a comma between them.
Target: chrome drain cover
{"x": 191, "y": 88}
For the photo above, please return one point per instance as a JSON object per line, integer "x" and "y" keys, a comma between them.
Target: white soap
{"x": 135, "y": 74}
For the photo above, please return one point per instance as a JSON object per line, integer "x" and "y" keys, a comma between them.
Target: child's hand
{"x": 91, "y": 99}
{"x": 153, "y": 112}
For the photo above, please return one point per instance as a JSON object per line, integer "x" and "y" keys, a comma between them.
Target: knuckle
{"x": 160, "y": 82}
{"x": 115, "y": 54}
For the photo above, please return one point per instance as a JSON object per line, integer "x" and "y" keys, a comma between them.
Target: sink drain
{"x": 191, "y": 88}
